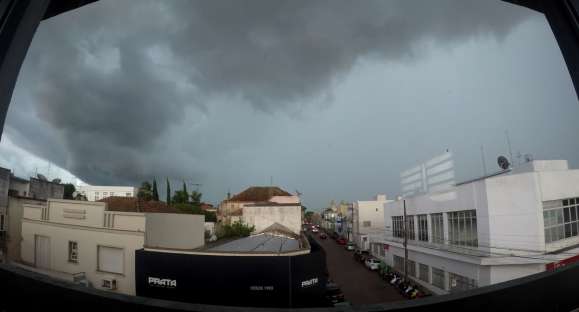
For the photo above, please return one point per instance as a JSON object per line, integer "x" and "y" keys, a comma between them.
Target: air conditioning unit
{"x": 109, "y": 283}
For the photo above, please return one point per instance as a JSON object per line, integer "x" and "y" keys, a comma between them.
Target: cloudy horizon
{"x": 329, "y": 98}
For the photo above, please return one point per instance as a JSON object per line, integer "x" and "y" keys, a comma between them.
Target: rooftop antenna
{"x": 482, "y": 155}
{"x": 509, "y": 144}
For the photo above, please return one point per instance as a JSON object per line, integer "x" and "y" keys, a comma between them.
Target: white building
{"x": 488, "y": 230}
{"x": 367, "y": 219}
{"x": 68, "y": 239}
{"x": 264, "y": 215}
{"x": 97, "y": 192}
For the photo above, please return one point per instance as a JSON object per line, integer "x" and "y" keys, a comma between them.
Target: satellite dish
{"x": 503, "y": 162}
{"x": 41, "y": 177}
{"x": 528, "y": 157}
{"x": 56, "y": 181}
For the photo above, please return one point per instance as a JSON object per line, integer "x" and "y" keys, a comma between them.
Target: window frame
{"x": 73, "y": 252}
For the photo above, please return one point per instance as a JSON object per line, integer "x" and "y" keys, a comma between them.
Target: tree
{"x": 196, "y": 198}
{"x": 237, "y": 229}
{"x": 308, "y": 216}
{"x": 145, "y": 191}
{"x": 180, "y": 197}
{"x": 69, "y": 190}
{"x": 168, "y": 193}
{"x": 185, "y": 190}
{"x": 155, "y": 192}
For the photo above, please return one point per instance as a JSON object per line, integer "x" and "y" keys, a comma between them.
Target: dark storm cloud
{"x": 109, "y": 81}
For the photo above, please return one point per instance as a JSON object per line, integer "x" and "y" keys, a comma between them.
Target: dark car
{"x": 335, "y": 235}
{"x": 323, "y": 235}
{"x": 341, "y": 241}
{"x": 361, "y": 255}
{"x": 333, "y": 293}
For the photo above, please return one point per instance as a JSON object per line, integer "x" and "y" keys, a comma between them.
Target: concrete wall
{"x": 88, "y": 240}
{"x": 41, "y": 189}
{"x": 175, "y": 231}
{"x": 76, "y": 212}
{"x": 14, "y": 227}
{"x": 22, "y": 188}
{"x": 293, "y": 199}
{"x": 263, "y": 216}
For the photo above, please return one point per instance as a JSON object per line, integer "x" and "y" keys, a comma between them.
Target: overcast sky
{"x": 331, "y": 98}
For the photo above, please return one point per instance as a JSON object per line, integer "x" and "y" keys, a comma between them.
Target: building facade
{"x": 98, "y": 192}
{"x": 485, "y": 231}
{"x": 264, "y": 215}
{"x": 367, "y": 219}
{"x": 231, "y": 209}
{"x": 68, "y": 239}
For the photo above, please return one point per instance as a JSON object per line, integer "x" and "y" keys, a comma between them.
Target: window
{"x": 366, "y": 224}
{"x": 561, "y": 218}
{"x": 423, "y": 272}
{"x": 96, "y": 193}
{"x": 438, "y": 278}
{"x": 382, "y": 252}
{"x": 410, "y": 228}
{"x": 1, "y": 222}
{"x": 411, "y": 268}
{"x": 462, "y": 229}
{"x": 72, "y": 252}
{"x": 110, "y": 259}
{"x": 112, "y": 194}
{"x": 398, "y": 263}
{"x": 398, "y": 226}
{"x": 423, "y": 228}
{"x": 105, "y": 193}
{"x": 458, "y": 283}
{"x": 437, "y": 228}
{"x": 128, "y": 194}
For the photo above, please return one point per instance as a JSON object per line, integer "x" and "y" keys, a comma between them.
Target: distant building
{"x": 368, "y": 219}
{"x": 12, "y": 186}
{"x": 98, "y": 192}
{"x": 486, "y": 231}
{"x": 208, "y": 207}
{"x": 231, "y": 210}
{"x": 95, "y": 242}
{"x": 263, "y": 215}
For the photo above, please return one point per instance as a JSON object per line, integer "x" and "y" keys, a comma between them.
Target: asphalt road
{"x": 359, "y": 285}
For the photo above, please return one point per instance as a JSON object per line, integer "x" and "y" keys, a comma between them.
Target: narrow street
{"x": 359, "y": 285}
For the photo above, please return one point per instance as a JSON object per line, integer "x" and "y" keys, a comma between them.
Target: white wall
{"x": 88, "y": 241}
{"x": 372, "y": 211}
{"x": 90, "y": 190}
{"x": 175, "y": 231}
{"x": 263, "y": 216}
{"x": 76, "y": 212}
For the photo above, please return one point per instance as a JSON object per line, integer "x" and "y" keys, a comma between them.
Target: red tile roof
{"x": 133, "y": 204}
{"x": 258, "y": 194}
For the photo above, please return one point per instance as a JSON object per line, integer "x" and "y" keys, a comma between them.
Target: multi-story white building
{"x": 488, "y": 230}
{"x": 98, "y": 192}
{"x": 68, "y": 239}
{"x": 367, "y": 219}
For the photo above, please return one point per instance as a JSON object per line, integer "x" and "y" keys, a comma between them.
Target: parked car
{"x": 350, "y": 246}
{"x": 315, "y": 230}
{"x": 372, "y": 264}
{"x": 341, "y": 241}
{"x": 323, "y": 235}
{"x": 334, "y": 235}
{"x": 361, "y": 255}
{"x": 333, "y": 293}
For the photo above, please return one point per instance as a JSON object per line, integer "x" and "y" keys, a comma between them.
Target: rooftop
{"x": 133, "y": 204}
{"x": 258, "y": 194}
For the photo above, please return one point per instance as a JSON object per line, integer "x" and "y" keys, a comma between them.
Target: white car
{"x": 372, "y": 264}
{"x": 315, "y": 230}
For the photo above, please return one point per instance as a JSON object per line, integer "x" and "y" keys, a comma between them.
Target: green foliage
{"x": 155, "y": 192}
{"x": 69, "y": 189}
{"x": 237, "y": 229}
{"x": 180, "y": 197}
{"x": 308, "y": 215}
{"x": 185, "y": 190}
{"x": 210, "y": 216}
{"x": 168, "y": 192}
{"x": 145, "y": 191}
{"x": 196, "y": 198}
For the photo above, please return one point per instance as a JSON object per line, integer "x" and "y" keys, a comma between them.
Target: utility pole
{"x": 405, "y": 243}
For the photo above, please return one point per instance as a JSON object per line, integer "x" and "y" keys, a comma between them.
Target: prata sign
{"x": 162, "y": 282}
{"x": 310, "y": 282}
